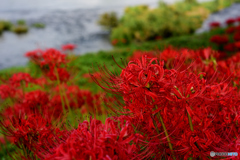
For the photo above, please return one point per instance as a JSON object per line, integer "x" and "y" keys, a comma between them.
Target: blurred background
{"x": 50, "y": 24}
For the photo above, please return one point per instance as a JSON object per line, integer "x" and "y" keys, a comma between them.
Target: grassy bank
{"x": 84, "y": 63}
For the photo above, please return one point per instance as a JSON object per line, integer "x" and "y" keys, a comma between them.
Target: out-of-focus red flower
{"x": 52, "y": 58}
{"x": 230, "y": 21}
{"x": 47, "y": 59}
{"x": 35, "y": 55}
{"x": 238, "y": 19}
{"x": 98, "y": 141}
{"x": 158, "y": 38}
{"x": 214, "y": 24}
{"x": 230, "y": 30}
{"x": 114, "y": 42}
{"x": 139, "y": 54}
{"x": 238, "y": 27}
{"x": 63, "y": 74}
{"x": 33, "y": 132}
{"x": 41, "y": 81}
{"x": 168, "y": 54}
{"x": 237, "y": 36}
{"x": 17, "y": 79}
{"x": 34, "y": 100}
{"x": 69, "y": 47}
{"x": 7, "y": 91}
{"x": 237, "y": 44}
{"x": 229, "y": 47}
{"x": 219, "y": 39}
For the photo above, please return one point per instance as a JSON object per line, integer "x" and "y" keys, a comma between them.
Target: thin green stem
{"x": 166, "y": 134}
{"x": 165, "y": 131}
{"x": 190, "y": 122}
{"x": 59, "y": 84}
{"x": 191, "y": 127}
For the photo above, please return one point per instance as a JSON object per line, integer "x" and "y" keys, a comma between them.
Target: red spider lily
{"x": 214, "y": 25}
{"x": 230, "y": 21}
{"x": 237, "y": 36}
{"x": 229, "y": 47}
{"x": 79, "y": 98}
{"x": 35, "y": 100}
{"x": 168, "y": 54}
{"x": 149, "y": 90}
{"x": 47, "y": 59}
{"x": 41, "y": 81}
{"x": 35, "y": 55}
{"x": 164, "y": 113}
{"x": 28, "y": 103}
{"x": 139, "y": 54}
{"x": 219, "y": 39}
{"x": 30, "y": 133}
{"x": 17, "y": 79}
{"x": 237, "y": 44}
{"x": 69, "y": 47}
{"x": 238, "y": 27}
{"x": 97, "y": 141}
{"x": 175, "y": 57}
{"x": 230, "y": 30}
{"x": 61, "y": 73}
{"x": 206, "y": 53}
{"x": 53, "y": 58}
{"x": 7, "y": 91}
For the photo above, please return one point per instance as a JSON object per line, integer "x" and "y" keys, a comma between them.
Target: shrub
{"x": 108, "y": 20}
{"x": 144, "y": 24}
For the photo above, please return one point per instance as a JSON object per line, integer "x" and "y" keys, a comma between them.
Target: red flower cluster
{"x": 31, "y": 116}
{"x": 181, "y": 113}
{"x": 170, "y": 104}
{"x": 68, "y": 47}
{"x": 138, "y": 54}
{"x": 229, "y": 22}
{"x": 214, "y": 25}
{"x": 219, "y": 39}
{"x": 94, "y": 140}
{"x": 52, "y": 63}
{"x": 228, "y": 42}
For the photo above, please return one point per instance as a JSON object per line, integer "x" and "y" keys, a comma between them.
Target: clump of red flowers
{"x": 214, "y": 25}
{"x": 227, "y": 42}
{"x": 68, "y": 47}
{"x": 169, "y": 104}
{"x": 181, "y": 104}
{"x": 94, "y": 140}
{"x": 219, "y": 39}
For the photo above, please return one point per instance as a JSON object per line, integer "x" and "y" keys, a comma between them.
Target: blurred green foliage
{"x": 108, "y": 20}
{"x": 19, "y": 27}
{"x": 5, "y": 26}
{"x": 21, "y": 22}
{"x": 141, "y": 23}
{"x": 38, "y": 25}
